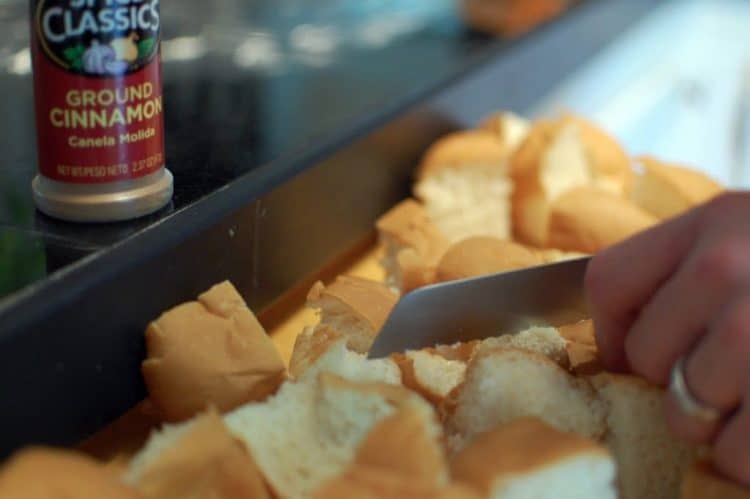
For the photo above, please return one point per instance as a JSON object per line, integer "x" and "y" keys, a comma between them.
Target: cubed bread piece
{"x": 413, "y": 246}
{"x": 666, "y": 190}
{"x": 41, "y": 473}
{"x": 209, "y": 352}
{"x": 588, "y": 219}
{"x": 527, "y": 458}
{"x": 510, "y": 128}
{"x": 481, "y": 255}
{"x": 544, "y": 340}
{"x": 650, "y": 461}
{"x": 557, "y": 156}
{"x": 354, "y": 366}
{"x": 701, "y": 481}
{"x": 504, "y": 384}
{"x": 197, "y": 459}
{"x": 464, "y": 185}
{"x": 430, "y": 374}
{"x": 310, "y": 430}
{"x": 509, "y": 17}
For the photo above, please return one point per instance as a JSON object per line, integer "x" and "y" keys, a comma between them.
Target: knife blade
{"x": 485, "y": 306}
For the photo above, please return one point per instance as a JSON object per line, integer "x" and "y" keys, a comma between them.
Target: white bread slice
{"x": 464, "y": 185}
{"x": 309, "y": 431}
{"x": 504, "y": 384}
{"x": 338, "y": 359}
{"x": 544, "y": 340}
{"x": 510, "y": 128}
{"x": 666, "y": 190}
{"x": 351, "y": 308}
{"x": 197, "y": 459}
{"x": 44, "y": 473}
{"x": 413, "y": 245}
{"x": 557, "y": 156}
{"x": 650, "y": 461}
{"x": 588, "y": 219}
{"x": 209, "y": 352}
{"x": 530, "y": 459}
{"x": 430, "y": 374}
{"x": 480, "y": 255}
{"x": 701, "y": 481}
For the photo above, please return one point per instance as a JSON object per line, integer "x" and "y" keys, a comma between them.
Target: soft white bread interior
{"x": 42, "y": 473}
{"x": 557, "y": 156}
{"x": 430, "y": 374}
{"x": 530, "y": 459}
{"x": 504, "y": 384}
{"x": 209, "y": 352}
{"x": 650, "y": 461}
{"x": 589, "y": 219}
{"x": 666, "y": 190}
{"x": 702, "y": 481}
{"x": 413, "y": 245}
{"x": 481, "y": 255}
{"x": 309, "y": 431}
{"x": 508, "y": 127}
{"x": 464, "y": 185}
{"x": 544, "y": 340}
{"x": 338, "y": 359}
{"x": 351, "y": 308}
{"x": 197, "y": 459}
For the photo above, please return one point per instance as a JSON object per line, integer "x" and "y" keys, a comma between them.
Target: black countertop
{"x": 244, "y": 84}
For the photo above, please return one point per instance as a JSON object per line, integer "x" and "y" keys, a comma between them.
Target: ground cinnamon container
{"x": 99, "y": 112}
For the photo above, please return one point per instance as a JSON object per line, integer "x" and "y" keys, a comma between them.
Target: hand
{"x": 682, "y": 289}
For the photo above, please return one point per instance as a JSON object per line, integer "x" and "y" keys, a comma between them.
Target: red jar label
{"x": 97, "y": 87}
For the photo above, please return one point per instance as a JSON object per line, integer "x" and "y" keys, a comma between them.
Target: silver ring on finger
{"x": 686, "y": 401}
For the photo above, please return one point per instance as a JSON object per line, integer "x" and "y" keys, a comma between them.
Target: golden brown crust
{"x": 478, "y": 256}
{"x": 209, "y": 352}
{"x": 509, "y": 18}
{"x": 309, "y": 346}
{"x": 410, "y": 381}
{"x": 587, "y": 219}
{"x": 702, "y": 481}
{"x": 39, "y": 473}
{"x": 368, "y": 300}
{"x": 606, "y": 164}
{"x": 204, "y": 463}
{"x": 461, "y": 150}
{"x": 579, "y": 332}
{"x": 462, "y": 351}
{"x": 487, "y": 459}
{"x": 402, "y": 444}
{"x": 407, "y": 225}
{"x": 414, "y": 270}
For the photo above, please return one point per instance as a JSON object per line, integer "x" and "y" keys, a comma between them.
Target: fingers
{"x": 680, "y": 311}
{"x": 731, "y": 451}
{"x": 621, "y": 279}
{"x": 716, "y": 371}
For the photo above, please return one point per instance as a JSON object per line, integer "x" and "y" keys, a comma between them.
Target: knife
{"x": 485, "y": 306}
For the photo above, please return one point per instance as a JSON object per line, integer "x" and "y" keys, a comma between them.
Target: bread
{"x": 337, "y": 359}
{"x": 310, "y": 430}
{"x": 413, "y": 245}
{"x": 464, "y": 185}
{"x": 41, "y": 473}
{"x": 650, "y": 461}
{"x": 209, "y": 352}
{"x": 528, "y": 458}
{"x": 504, "y": 384}
{"x": 588, "y": 219}
{"x": 373, "y": 483}
{"x": 461, "y": 351}
{"x": 580, "y": 332}
{"x": 198, "y": 459}
{"x": 544, "y": 340}
{"x": 510, "y": 18}
{"x": 478, "y": 256}
{"x": 510, "y": 128}
{"x": 430, "y": 374}
{"x": 583, "y": 354}
{"x": 351, "y": 308}
{"x": 557, "y": 156}
{"x": 701, "y": 481}
{"x": 666, "y": 190}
